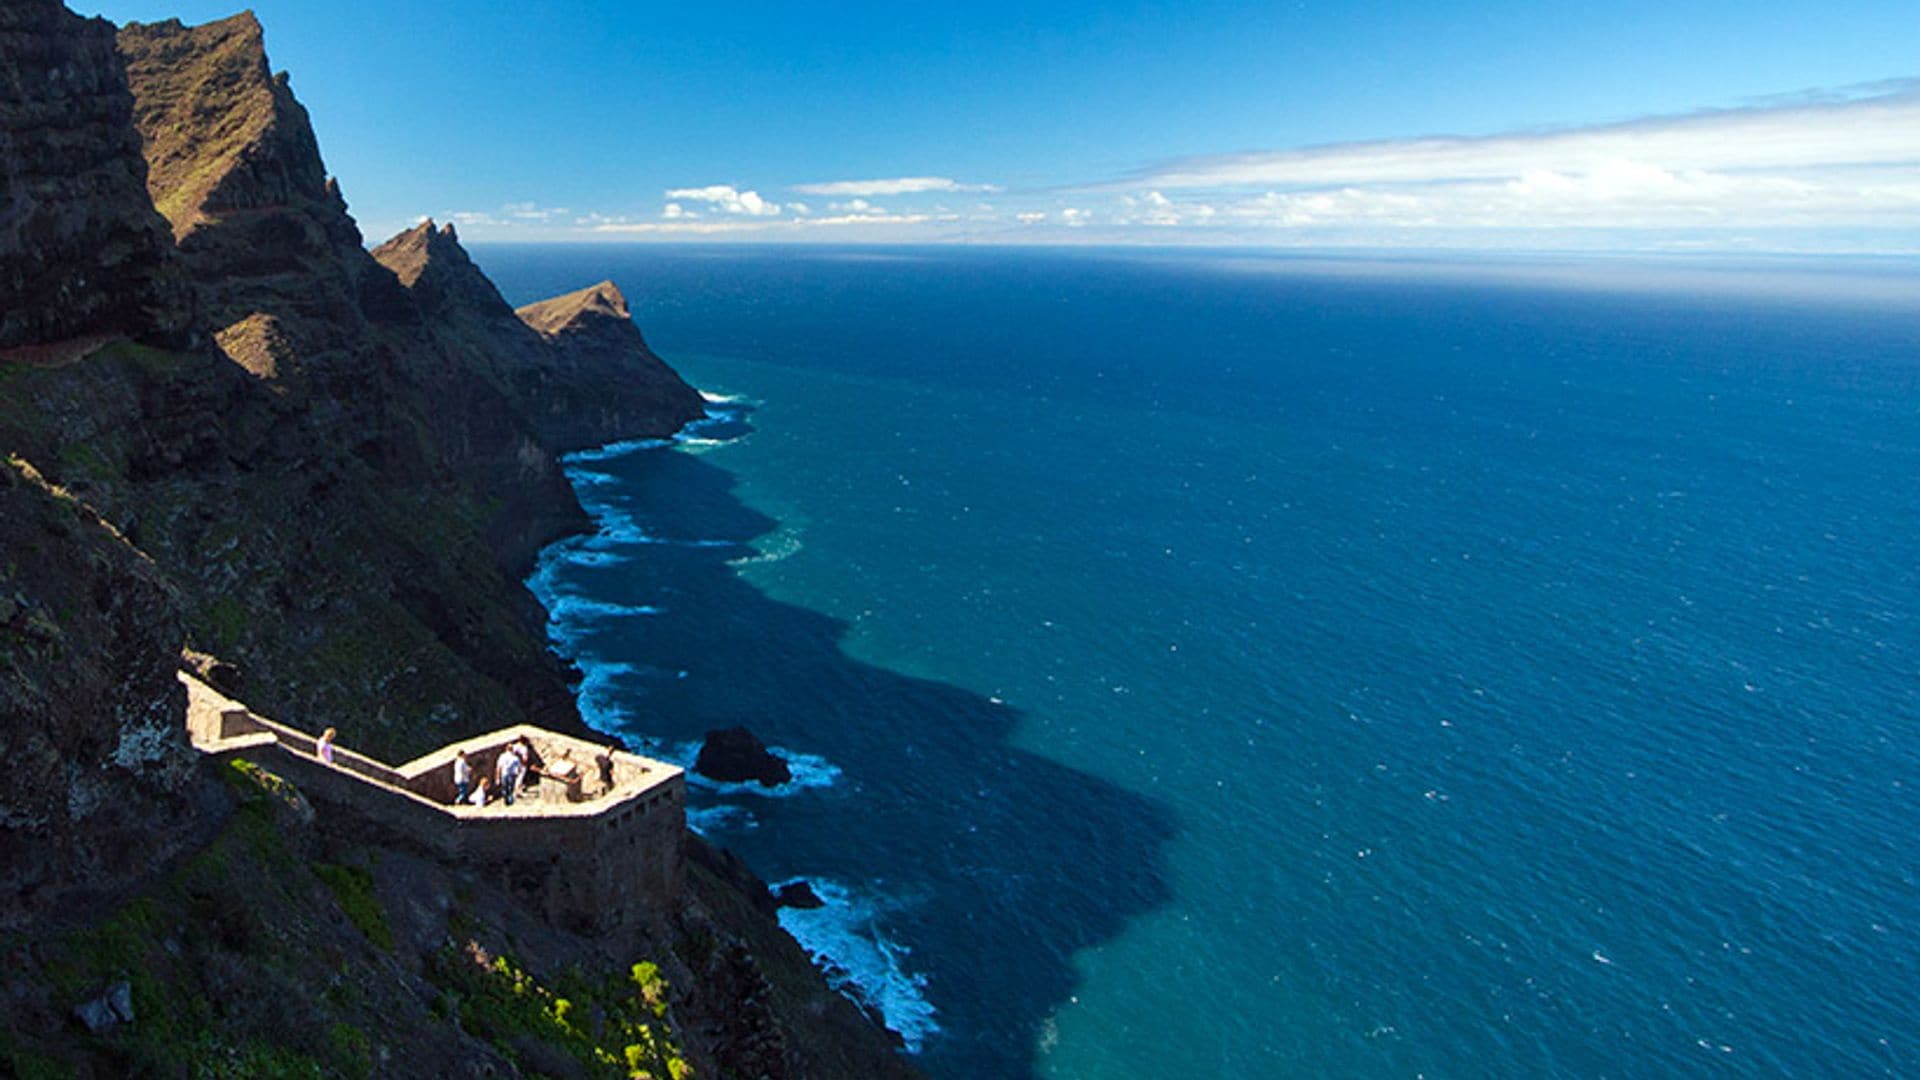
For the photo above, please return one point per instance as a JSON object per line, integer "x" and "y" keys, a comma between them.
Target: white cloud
{"x": 1153, "y": 208}
{"x": 1621, "y": 194}
{"x": 530, "y": 211}
{"x": 694, "y": 228}
{"x": 727, "y": 199}
{"x": 868, "y": 219}
{"x": 1834, "y": 161}
{"x": 787, "y": 226}
{"x": 1842, "y": 169}
{"x": 1880, "y": 129}
{"x": 900, "y": 185}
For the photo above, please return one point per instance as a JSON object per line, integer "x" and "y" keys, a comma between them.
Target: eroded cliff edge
{"x": 320, "y": 472}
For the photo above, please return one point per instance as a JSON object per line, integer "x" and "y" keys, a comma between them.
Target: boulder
{"x": 736, "y": 755}
{"x": 798, "y": 894}
{"x": 108, "y": 1011}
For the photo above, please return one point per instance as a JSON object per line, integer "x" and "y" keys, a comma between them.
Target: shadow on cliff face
{"x": 992, "y": 865}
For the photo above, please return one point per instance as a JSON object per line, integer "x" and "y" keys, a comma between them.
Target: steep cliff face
{"x": 336, "y": 506}
{"x": 223, "y": 135}
{"x": 83, "y": 257}
{"x": 298, "y": 301}
{"x": 89, "y": 639}
{"x": 576, "y": 365}
{"x": 600, "y": 377}
{"x": 266, "y": 237}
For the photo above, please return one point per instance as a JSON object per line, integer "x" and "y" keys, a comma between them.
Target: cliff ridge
{"x": 232, "y": 438}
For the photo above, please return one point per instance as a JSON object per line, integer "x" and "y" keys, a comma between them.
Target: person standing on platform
{"x": 507, "y": 769}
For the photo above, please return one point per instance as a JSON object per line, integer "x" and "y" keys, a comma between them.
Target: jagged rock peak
{"x": 222, "y": 132}
{"x": 410, "y": 253}
{"x": 604, "y": 300}
{"x": 442, "y": 277}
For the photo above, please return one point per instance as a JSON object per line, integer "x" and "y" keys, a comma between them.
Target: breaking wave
{"x": 847, "y": 943}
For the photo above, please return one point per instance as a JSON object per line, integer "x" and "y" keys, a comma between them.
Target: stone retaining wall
{"x": 607, "y": 864}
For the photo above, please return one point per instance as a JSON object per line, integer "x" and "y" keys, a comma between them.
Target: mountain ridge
{"x": 247, "y": 443}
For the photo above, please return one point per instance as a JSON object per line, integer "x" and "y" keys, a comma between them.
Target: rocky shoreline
{"x": 233, "y": 435}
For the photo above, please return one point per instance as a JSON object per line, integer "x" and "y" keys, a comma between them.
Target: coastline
{"x": 847, "y": 949}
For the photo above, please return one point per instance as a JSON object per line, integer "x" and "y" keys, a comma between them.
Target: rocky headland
{"x": 235, "y": 439}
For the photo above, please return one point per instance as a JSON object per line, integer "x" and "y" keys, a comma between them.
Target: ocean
{"x": 1246, "y": 665}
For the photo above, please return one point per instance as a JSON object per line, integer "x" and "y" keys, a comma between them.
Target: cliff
{"x": 83, "y": 256}
{"x": 233, "y": 164}
{"x": 576, "y": 365}
{"x": 89, "y": 639}
{"x": 233, "y": 437}
{"x": 595, "y": 344}
{"x": 422, "y": 492}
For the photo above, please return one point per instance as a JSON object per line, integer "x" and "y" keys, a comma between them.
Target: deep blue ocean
{"x": 1260, "y": 666}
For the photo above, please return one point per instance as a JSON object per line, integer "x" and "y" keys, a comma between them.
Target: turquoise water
{"x": 1221, "y": 666}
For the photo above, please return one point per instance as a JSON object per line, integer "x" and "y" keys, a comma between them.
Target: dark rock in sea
{"x": 736, "y": 755}
{"x": 798, "y": 894}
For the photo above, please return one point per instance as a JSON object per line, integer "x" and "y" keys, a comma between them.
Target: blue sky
{"x": 1729, "y": 126}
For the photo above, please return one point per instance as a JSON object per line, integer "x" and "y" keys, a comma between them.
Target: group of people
{"x": 514, "y": 768}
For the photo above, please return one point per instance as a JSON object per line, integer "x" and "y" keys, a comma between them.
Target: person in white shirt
{"x": 508, "y": 768}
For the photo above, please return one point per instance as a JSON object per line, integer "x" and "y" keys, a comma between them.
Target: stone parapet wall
{"x": 606, "y": 865}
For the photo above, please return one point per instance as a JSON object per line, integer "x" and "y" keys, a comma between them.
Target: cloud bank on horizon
{"x": 1833, "y": 170}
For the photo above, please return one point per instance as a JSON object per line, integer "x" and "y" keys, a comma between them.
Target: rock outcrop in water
{"x": 233, "y": 438}
{"x": 736, "y": 756}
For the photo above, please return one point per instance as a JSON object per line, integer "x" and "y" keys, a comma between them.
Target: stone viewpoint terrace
{"x": 595, "y": 858}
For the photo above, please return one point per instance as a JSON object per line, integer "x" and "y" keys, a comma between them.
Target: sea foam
{"x": 846, "y": 942}
{"x": 615, "y": 450}
{"x": 569, "y": 609}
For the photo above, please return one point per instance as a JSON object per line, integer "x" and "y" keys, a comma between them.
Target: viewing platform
{"x": 598, "y": 857}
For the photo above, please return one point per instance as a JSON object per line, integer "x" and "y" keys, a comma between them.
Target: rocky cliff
{"x": 233, "y": 437}
{"x": 577, "y": 364}
{"x": 424, "y": 492}
{"x": 89, "y": 640}
{"x": 83, "y": 256}
{"x": 595, "y": 344}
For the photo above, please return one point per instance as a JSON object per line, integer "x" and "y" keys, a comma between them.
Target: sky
{"x": 1710, "y": 125}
